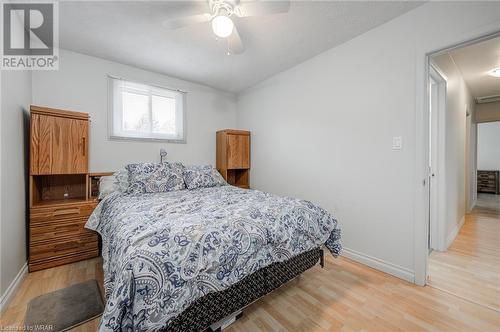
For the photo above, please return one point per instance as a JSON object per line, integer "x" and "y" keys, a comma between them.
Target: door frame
{"x": 421, "y": 196}
{"x": 437, "y": 170}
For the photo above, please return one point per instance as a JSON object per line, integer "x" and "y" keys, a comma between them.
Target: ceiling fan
{"x": 221, "y": 16}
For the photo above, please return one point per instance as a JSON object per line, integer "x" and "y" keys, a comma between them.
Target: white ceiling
{"x": 132, "y": 33}
{"x": 474, "y": 62}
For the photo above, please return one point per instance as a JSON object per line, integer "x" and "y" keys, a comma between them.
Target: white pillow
{"x": 107, "y": 185}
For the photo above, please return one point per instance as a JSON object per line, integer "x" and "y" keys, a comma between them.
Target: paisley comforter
{"x": 162, "y": 251}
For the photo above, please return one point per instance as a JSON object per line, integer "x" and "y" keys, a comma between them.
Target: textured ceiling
{"x": 132, "y": 33}
{"x": 474, "y": 62}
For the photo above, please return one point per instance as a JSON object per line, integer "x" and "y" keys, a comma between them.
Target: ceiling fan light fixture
{"x": 222, "y": 26}
{"x": 495, "y": 72}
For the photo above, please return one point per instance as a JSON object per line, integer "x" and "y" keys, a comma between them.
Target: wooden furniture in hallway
{"x": 488, "y": 182}
{"x": 233, "y": 156}
{"x": 58, "y": 196}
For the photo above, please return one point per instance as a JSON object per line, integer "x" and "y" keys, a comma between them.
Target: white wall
{"x": 457, "y": 148}
{"x": 488, "y": 149}
{"x": 15, "y": 101}
{"x": 323, "y": 129}
{"x": 80, "y": 84}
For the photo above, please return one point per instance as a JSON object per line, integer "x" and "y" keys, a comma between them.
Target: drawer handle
{"x": 67, "y": 245}
{"x": 66, "y": 212}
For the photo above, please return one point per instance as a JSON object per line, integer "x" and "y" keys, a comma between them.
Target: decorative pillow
{"x": 107, "y": 185}
{"x": 155, "y": 177}
{"x": 199, "y": 176}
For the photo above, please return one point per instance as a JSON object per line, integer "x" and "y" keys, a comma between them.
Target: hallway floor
{"x": 470, "y": 269}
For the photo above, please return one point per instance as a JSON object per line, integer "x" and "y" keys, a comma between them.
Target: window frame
{"x": 111, "y": 116}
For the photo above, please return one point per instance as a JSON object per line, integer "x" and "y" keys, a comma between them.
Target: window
{"x": 140, "y": 111}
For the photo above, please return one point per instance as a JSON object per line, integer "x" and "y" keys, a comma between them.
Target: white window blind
{"x": 141, "y": 111}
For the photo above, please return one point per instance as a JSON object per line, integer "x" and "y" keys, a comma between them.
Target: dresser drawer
{"x": 63, "y": 247}
{"x": 35, "y": 265}
{"x": 47, "y": 214}
{"x": 59, "y": 229}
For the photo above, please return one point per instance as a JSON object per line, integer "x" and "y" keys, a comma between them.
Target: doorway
{"x": 488, "y": 168}
{"x": 464, "y": 221}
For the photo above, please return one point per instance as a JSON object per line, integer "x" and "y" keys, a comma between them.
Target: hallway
{"x": 470, "y": 268}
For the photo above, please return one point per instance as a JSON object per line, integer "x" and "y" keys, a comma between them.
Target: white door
{"x": 437, "y": 185}
{"x": 433, "y": 122}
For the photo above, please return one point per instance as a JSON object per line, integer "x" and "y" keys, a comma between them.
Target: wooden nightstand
{"x": 60, "y": 202}
{"x": 233, "y": 156}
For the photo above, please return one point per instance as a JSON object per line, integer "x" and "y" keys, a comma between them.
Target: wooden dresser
{"x": 488, "y": 182}
{"x": 233, "y": 156}
{"x": 59, "y": 198}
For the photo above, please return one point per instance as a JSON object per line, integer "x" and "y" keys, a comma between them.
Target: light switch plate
{"x": 397, "y": 143}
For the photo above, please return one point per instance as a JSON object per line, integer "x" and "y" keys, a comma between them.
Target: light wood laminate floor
{"x": 470, "y": 268}
{"x": 344, "y": 296}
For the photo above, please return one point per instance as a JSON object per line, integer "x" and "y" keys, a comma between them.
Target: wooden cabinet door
{"x": 34, "y": 143}
{"x": 41, "y": 144}
{"x": 238, "y": 151}
{"x": 58, "y": 145}
{"x": 69, "y": 146}
{"x": 79, "y": 154}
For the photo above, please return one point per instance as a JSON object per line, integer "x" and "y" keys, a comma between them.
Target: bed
{"x": 183, "y": 259}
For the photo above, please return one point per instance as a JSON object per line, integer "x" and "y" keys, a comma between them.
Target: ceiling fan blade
{"x": 181, "y": 22}
{"x": 235, "y": 44}
{"x": 259, "y": 8}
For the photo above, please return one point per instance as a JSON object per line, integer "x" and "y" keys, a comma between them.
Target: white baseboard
{"x": 472, "y": 204}
{"x": 11, "y": 290}
{"x": 379, "y": 264}
{"x": 453, "y": 234}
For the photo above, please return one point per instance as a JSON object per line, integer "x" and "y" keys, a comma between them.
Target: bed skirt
{"x": 215, "y": 306}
